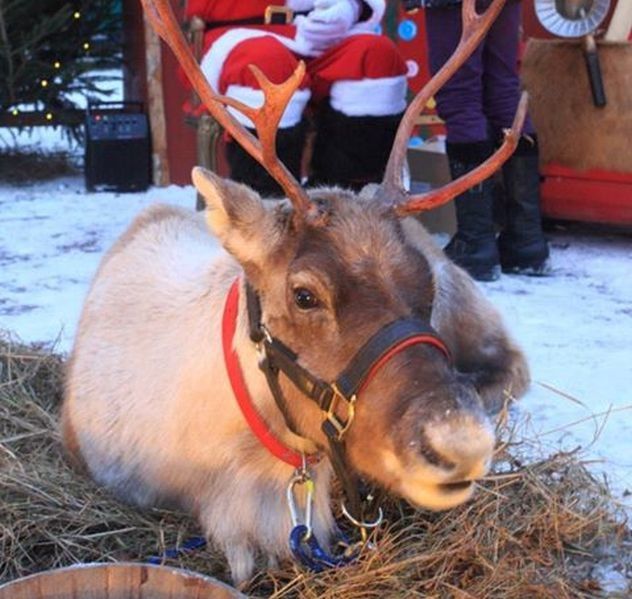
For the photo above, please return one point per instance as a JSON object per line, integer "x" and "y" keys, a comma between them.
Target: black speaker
{"x": 117, "y": 149}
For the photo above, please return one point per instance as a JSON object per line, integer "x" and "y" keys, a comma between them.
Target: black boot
{"x": 245, "y": 169}
{"x": 522, "y": 245}
{"x": 351, "y": 151}
{"x": 473, "y": 248}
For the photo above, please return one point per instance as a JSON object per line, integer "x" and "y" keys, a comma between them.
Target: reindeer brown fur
{"x": 149, "y": 409}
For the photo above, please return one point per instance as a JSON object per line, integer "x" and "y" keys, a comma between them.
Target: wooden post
{"x": 156, "y": 106}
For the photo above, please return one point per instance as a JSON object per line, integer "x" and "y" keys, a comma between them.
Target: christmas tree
{"x": 51, "y": 52}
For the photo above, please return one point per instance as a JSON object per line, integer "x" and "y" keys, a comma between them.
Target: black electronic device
{"x": 117, "y": 148}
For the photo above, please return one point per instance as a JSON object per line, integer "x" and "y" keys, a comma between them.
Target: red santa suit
{"x": 355, "y": 81}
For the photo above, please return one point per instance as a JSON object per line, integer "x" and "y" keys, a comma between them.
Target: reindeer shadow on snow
{"x": 330, "y": 337}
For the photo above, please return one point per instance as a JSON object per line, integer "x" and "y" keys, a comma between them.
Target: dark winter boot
{"x": 245, "y": 169}
{"x": 473, "y": 248}
{"x": 522, "y": 245}
{"x": 351, "y": 151}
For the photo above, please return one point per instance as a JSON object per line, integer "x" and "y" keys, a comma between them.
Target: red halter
{"x": 256, "y": 422}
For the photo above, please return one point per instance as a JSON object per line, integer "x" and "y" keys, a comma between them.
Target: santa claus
{"x": 355, "y": 85}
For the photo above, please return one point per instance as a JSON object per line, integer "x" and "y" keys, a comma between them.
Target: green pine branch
{"x": 43, "y": 61}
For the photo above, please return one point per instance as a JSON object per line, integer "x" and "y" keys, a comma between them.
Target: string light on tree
{"x": 55, "y": 38}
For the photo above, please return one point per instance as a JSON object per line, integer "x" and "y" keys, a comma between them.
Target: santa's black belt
{"x": 274, "y": 15}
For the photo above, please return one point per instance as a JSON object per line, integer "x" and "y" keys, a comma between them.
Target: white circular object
{"x": 412, "y": 68}
{"x": 565, "y": 18}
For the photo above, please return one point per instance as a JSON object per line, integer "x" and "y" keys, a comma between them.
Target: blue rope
{"x": 310, "y": 554}
{"x": 189, "y": 545}
{"x": 307, "y": 552}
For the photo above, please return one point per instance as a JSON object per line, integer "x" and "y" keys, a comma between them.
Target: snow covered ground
{"x": 576, "y": 326}
{"x": 52, "y": 236}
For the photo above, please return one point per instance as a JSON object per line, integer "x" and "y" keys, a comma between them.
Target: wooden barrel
{"x": 117, "y": 581}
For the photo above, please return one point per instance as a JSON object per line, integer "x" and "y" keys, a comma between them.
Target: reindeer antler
{"x": 266, "y": 118}
{"x": 432, "y": 199}
{"x": 391, "y": 191}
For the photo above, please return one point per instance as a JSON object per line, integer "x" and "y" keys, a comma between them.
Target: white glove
{"x": 327, "y": 24}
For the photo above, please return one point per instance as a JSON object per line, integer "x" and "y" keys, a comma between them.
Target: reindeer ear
{"x": 227, "y": 202}
{"x": 237, "y": 216}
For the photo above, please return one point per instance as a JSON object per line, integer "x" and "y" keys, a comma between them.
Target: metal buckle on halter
{"x": 278, "y": 15}
{"x": 260, "y": 345}
{"x": 331, "y": 416}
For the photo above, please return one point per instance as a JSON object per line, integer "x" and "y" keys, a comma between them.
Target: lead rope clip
{"x": 303, "y": 542}
{"x": 301, "y": 477}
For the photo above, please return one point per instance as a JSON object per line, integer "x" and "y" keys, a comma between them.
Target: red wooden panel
{"x": 591, "y": 196}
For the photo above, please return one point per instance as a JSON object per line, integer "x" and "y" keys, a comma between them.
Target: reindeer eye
{"x": 305, "y": 299}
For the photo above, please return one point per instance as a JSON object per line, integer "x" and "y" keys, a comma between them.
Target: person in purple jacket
{"x": 477, "y": 103}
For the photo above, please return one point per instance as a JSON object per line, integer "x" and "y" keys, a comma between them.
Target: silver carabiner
{"x": 301, "y": 477}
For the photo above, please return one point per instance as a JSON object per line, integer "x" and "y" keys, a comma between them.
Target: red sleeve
{"x": 198, "y": 8}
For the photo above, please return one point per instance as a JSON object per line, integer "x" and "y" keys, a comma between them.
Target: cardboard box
{"x": 428, "y": 166}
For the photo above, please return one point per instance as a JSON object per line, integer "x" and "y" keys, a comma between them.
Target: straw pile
{"x": 19, "y": 166}
{"x": 542, "y": 528}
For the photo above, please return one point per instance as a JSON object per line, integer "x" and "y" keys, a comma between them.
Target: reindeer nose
{"x": 462, "y": 446}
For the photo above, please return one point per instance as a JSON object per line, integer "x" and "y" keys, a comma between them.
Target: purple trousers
{"x": 481, "y": 98}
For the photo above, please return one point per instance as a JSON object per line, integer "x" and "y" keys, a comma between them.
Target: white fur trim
{"x": 369, "y": 97}
{"x": 300, "y": 5}
{"x": 254, "y": 97}
{"x": 213, "y": 61}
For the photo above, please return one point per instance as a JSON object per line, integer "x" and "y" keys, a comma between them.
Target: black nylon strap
{"x": 279, "y": 357}
{"x": 276, "y": 19}
{"x": 344, "y": 474}
{"x": 355, "y": 489}
{"x": 254, "y": 314}
{"x": 272, "y": 376}
{"x": 386, "y": 338}
{"x": 286, "y": 361}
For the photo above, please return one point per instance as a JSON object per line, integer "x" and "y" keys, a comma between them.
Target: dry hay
{"x": 19, "y": 166}
{"x": 535, "y": 529}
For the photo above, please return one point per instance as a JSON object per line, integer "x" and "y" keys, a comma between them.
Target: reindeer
{"x": 330, "y": 333}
